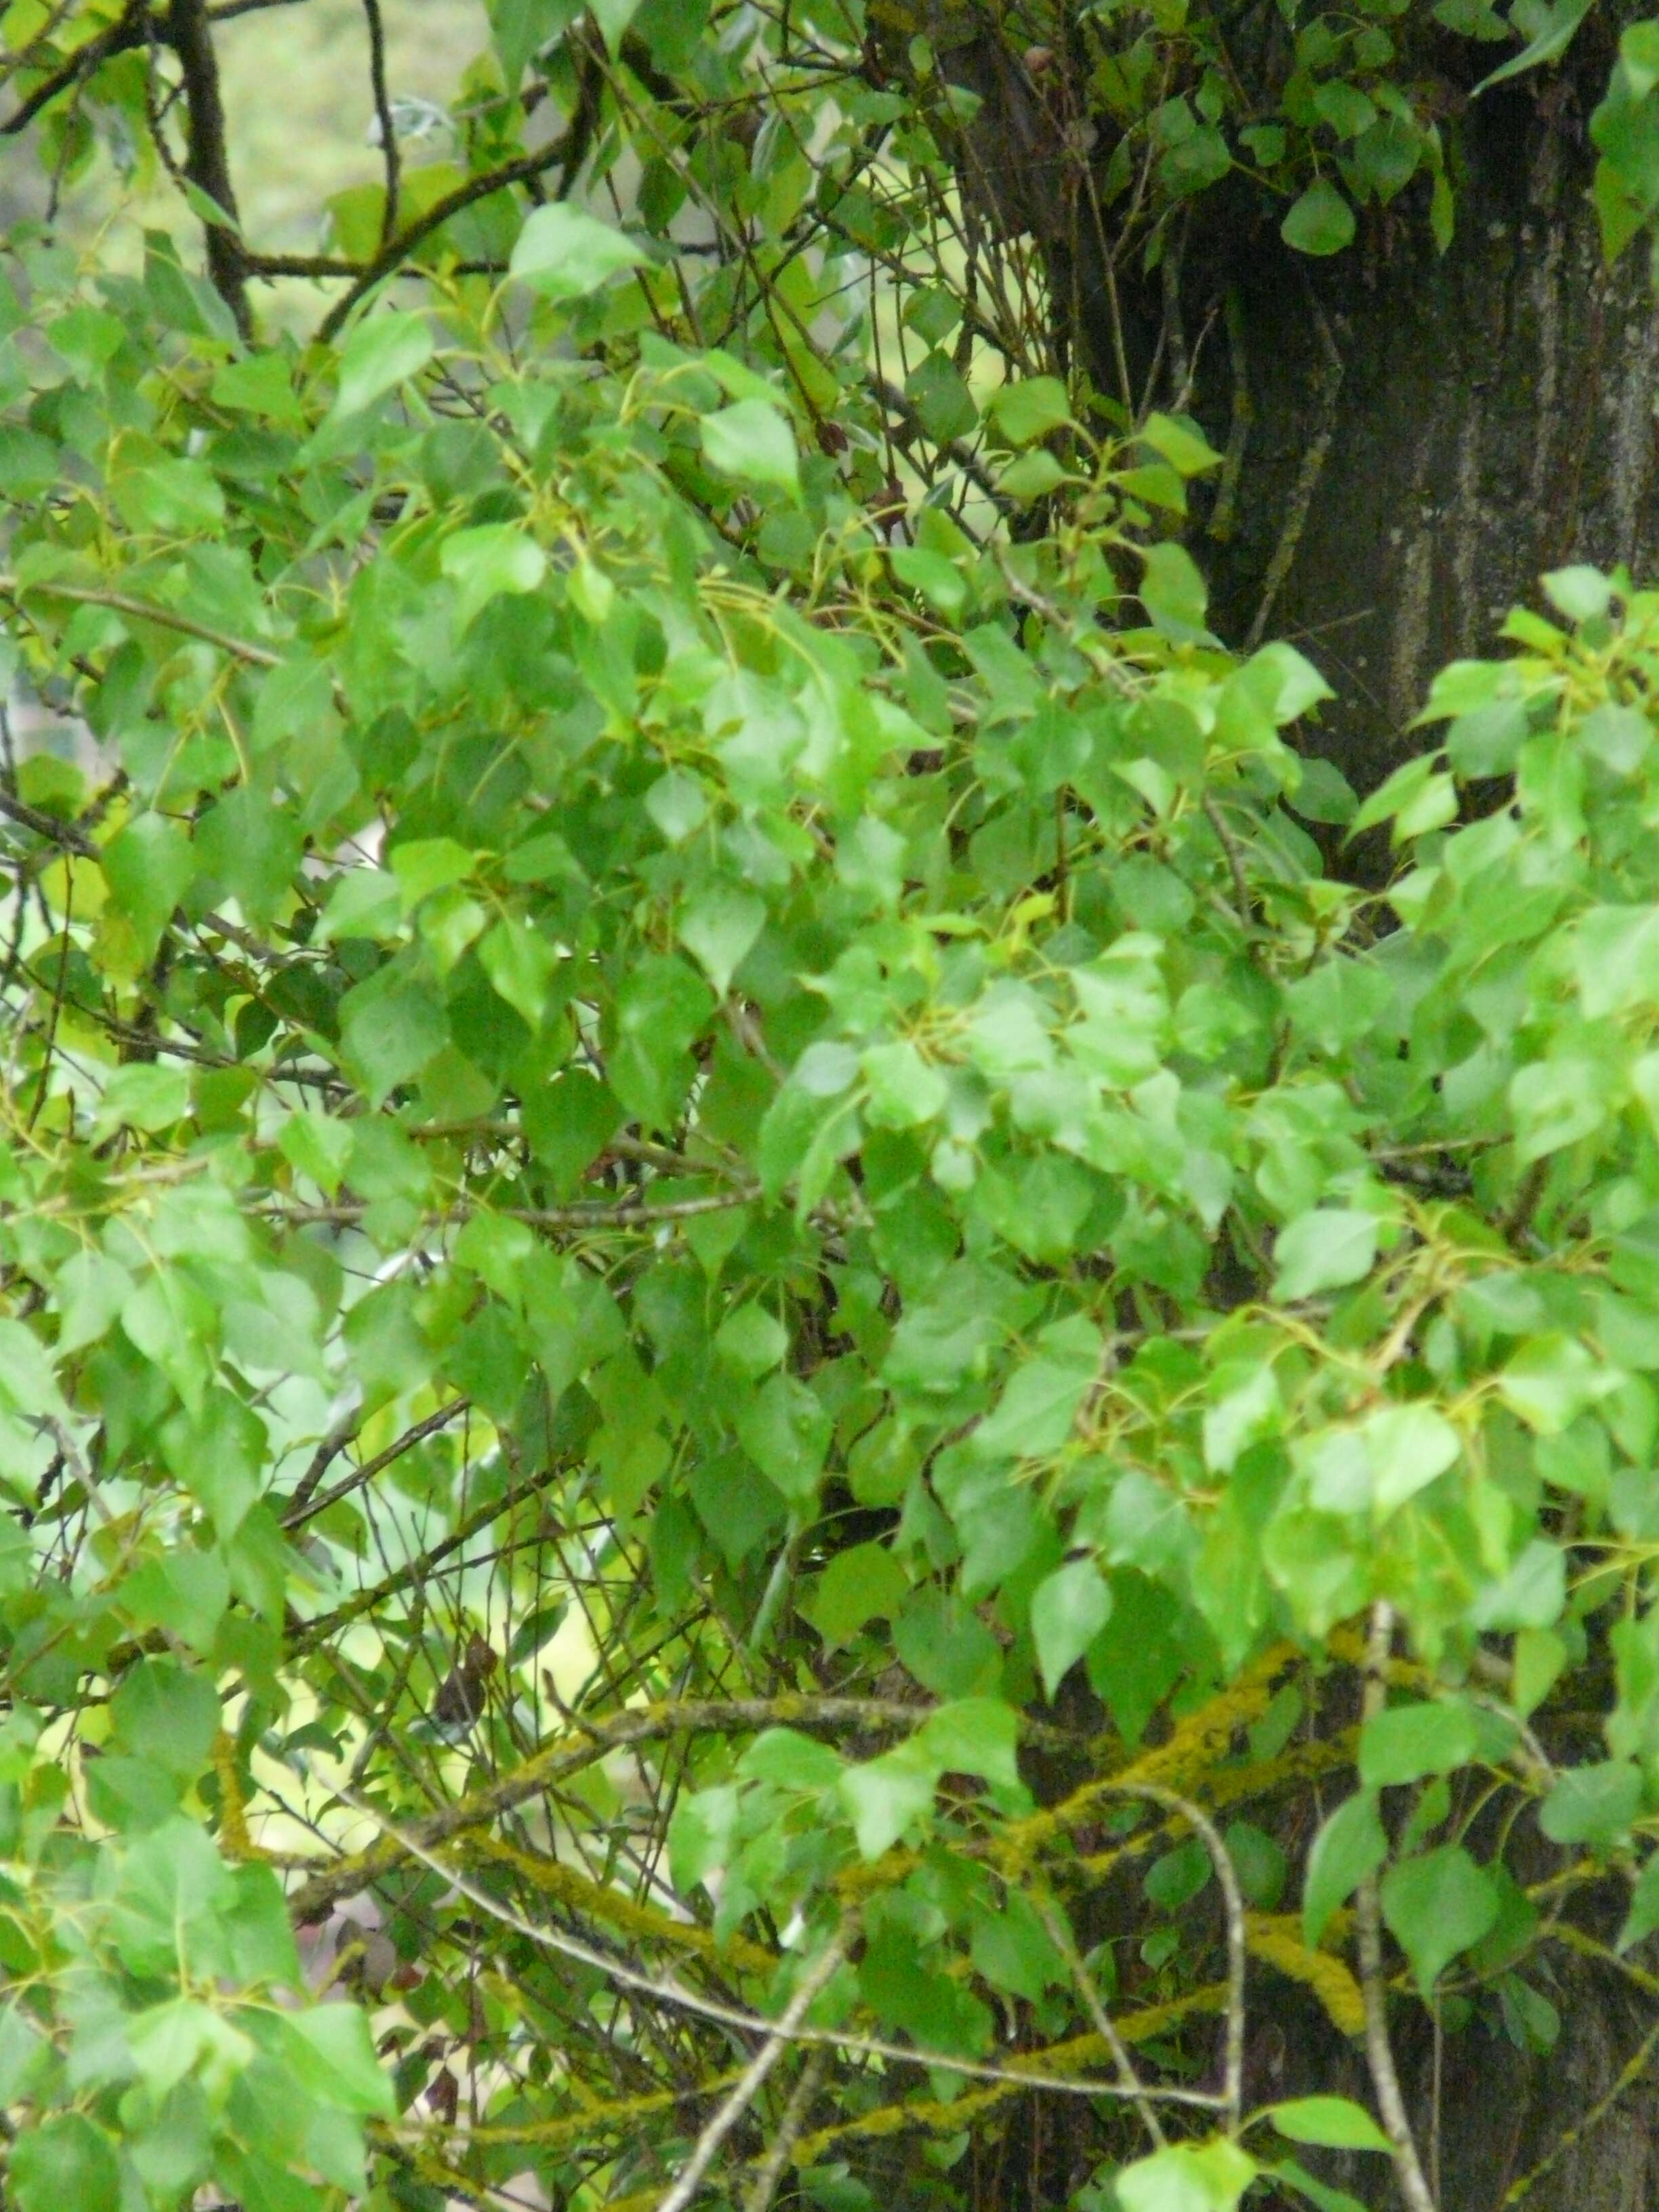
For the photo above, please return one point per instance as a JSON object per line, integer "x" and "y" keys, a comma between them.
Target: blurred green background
{"x": 300, "y": 111}
{"x": 299, "y": 114}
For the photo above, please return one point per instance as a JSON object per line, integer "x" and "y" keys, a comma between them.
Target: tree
{"x": 749, "y": 1337}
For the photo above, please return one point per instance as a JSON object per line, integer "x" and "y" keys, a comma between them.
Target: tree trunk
{"x": 1492, "y": 418}
{"x": 1423, "y": 434}
{"x": 1414, "y": 438}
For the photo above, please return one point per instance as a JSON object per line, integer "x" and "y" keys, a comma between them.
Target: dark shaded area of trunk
{"x": 1560, "y": 2132}
{"x": 1427, "y": 433}
{"x": 1494, "y": 418}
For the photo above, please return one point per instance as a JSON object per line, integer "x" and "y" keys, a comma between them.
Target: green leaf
{"x": 753, "y": 442}
{"x": 483, "y": 563}
{"x": 940, "y": 579}
{"x": 519, "y": 27}
{"x": 861, "y": 1584}
{"x": 1345, "y": 107}
{"x": 1183, "y": 445}
{"x": 317, "y": 1146}
{"x": 1404, "y": 1742}
{"x": 719, "y": 928}
{"x": 1318, "y": 2193}
{"x": 1551, "y": 1380}
{"x": 1069, "y": 1608}
{"x": 1436, "y": 1906}
{"x": 1186, "y": 2178}
{"x": 886, "y": 1797}
{"x": 167, "y": 1713}
{"x": 149, "y": 866}
{"x": 790, "y": 1760}
{"x": 187, "y": 1593}
{"x": 613, "y": 18}
{"x": 165, "y": 1917}
{"x": 940, "y": 396}
{"x": 1247, "y": 1409}
{"x": 184, "y": 2036}
{"x": 384, "y": 351}
{"x": 904, "y": 1088}
{"x": 1321, "y": 221}
{"x": 521, "y": 965}
{"x": 751, "y": 1339}
{"x": 563, "y": 252}
{"x": 330, "y": 2050}
{"x": 392, "y": 1026}
{"x": 142, "y": 1096}
{"x": 1173, "y": 592}
{"x": 1031, "y": 476}
{"x": 1616, "y": 957}
{"x": 1554, "y": 35}
{"x": 64, "y": 2161}
{"x": 660, "y": 1008}
{"x": 1337, "y": 2123}
{"x": 1351, "y": 1844}
{"x": 1037, "y": 1411}
{"x": 1408, "y": 1447}
{"x": 1323, "y": 1250}
{"x": 1644, "y": 1915}
{"x": 1013, "y": 1950}
{"x": 785, "y": 1431}
{"x": 974, "y": 1736}
{"x": 1594, "y": 1804}
{"x": 1031, "y": 408}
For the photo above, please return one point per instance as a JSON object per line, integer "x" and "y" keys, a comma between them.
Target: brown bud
{"x": 460, "y": 1697}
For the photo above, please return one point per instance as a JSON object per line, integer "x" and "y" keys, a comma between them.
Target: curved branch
{"x": 398, "y": 250}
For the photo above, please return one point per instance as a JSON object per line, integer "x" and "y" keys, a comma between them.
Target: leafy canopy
{"x": 725, "y": 1271}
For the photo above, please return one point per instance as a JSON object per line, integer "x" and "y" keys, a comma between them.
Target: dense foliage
{"x": 732, "y": 1291}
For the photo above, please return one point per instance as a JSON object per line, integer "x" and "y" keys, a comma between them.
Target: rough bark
{"x": 1493, "y": 415}
{"x": 1494, "y": 419}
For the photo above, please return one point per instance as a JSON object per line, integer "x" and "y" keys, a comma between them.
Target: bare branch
{"x": 208, "y": 163}
{"x": 753, "y": 2077}
{"x": 256, "y": 656}
{"x": 398, "y": 250}
{"x": 1368, "y": 1921}
{"x": 786, "y": 2134}
{"x": 663, "y": 1991}
{"x": 389, "y": 153}
{"x": 305, "y": 1505}
{"x": 1102, "y": 2021}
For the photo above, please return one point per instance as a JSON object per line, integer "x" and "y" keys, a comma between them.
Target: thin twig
{"x": 786, "y": 2134}
{"x": 595, "y": 1213}
{"x": 256, "y": 656}
{"x": 207, "y": 163}
{"x": 47, "y": 826}
{"x": 1373, "y": 1982}
{"x": 1222, "y": 515}
{"x": 724, "y": 2015}
{"x": 307, "y": 1508}
{"x": 1104, "y": 2026}
{"x": 389, "y": 155}
{"x": 753, "y": 2077}
{"x": 1629, "y": 2075}
{"x": 398, "y": 250}
{"x": 1228, "y": 845}
{"x": 328, "y": 1450}
{"x": 1232, "y": 1898}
